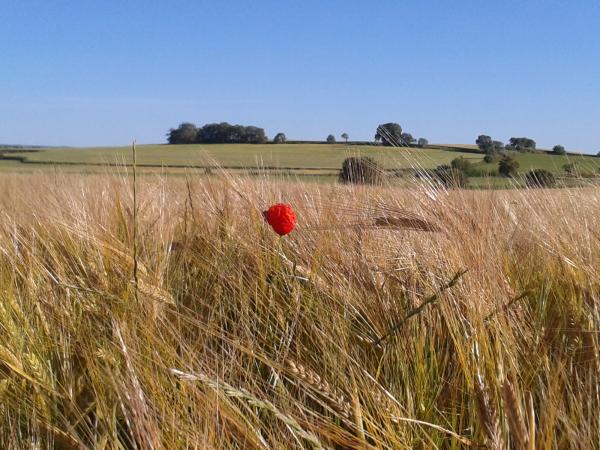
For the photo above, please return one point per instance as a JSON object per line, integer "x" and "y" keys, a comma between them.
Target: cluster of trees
{"x": 216, "y": 133}
{"x": 456, "y": 174}
{"x": 391, "y": 134}
{"x": 489, "y": 146}
{"x": 520, "y": 144}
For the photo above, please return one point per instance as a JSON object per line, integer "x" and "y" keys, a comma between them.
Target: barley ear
{"x": 516, "y": 424}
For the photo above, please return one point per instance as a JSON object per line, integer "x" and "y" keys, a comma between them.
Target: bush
{"x": 331, "y": 139}
{"x": 539, "y": 178}
{"x": 489, "y": 158}
{"x": 570, "y": 168}
{"x": 450, "y": 177}
{"x": 462, "y": 164}
{"x": 558, "y": 150}
{"x": 508, "y": 166}
{"x": 361, "y": 170}
{"x": 422, "y": 142}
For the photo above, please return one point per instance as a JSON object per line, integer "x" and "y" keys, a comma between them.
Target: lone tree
{"x": 539, "y": 178}
{"x": 508, "y": 166}
{"x": 558, "y": 150}
{"x": 422, "y": 142}
{"x": 185, "y": 133}
{"x": 389, "y": 134}
{"x": 279, "y": 138}
{"x": 407, "y": 139}
{"x": 345, "y": 137}
{"x": 361, "y": 170}
{"x": 485, "y": 143}
{"x": 331, "y": 139}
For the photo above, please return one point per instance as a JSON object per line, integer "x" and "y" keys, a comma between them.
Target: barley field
{"x": 171, "y": 316}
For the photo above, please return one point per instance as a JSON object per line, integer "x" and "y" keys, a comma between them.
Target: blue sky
{"x": 94, "y": 72}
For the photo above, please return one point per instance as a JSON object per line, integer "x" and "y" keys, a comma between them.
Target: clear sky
{"x": 91, "y": 72}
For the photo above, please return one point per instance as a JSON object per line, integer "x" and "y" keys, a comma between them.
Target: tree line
{"x": 388, "y": 134}
{"x": 216, "y": 133}
{"x": 519, "y": 144}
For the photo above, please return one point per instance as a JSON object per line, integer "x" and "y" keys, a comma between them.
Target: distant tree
{"x": 407, "y": 139}
{"x": 485, "y": 143}
{"x": 345, "y": 137}
{"x": 185, "y": 133}
{"x": 255, "y": 135}
{"x": 361, "y": 170}
{"x": 508, "y": 166}
{"x": 558, "y": 150}
{"x": 331, "y": 139}
{"x": 450, "y": 177}
{"x": 279, "y": 138}
{"x": 539, "y": 178}
{"x": 498, "y": 146}
{"x": 598, "y": 154}
{"x": 422, "y": 142}
{"x": 521, "y": 144}
{"x": 389, "y": 134}
{"x": 462, "y": 164}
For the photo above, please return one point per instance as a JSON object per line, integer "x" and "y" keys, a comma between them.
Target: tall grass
{"x": 480, "y": 328}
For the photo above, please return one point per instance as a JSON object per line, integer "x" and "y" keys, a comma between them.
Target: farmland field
{"x": 391, "y": 318}
{"x": 293, "y": 159}
{"x": 296, "y": 156}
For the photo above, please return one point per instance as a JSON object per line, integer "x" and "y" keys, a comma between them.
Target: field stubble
{"x": 391, "y": 318}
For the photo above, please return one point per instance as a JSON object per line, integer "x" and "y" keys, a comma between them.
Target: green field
{"x": 293, "y": 156}
{"x": 553, "y": 163}
{"x": 320, "y": 161}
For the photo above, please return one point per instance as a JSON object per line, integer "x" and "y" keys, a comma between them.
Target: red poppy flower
{"x": 281, "y": 217}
